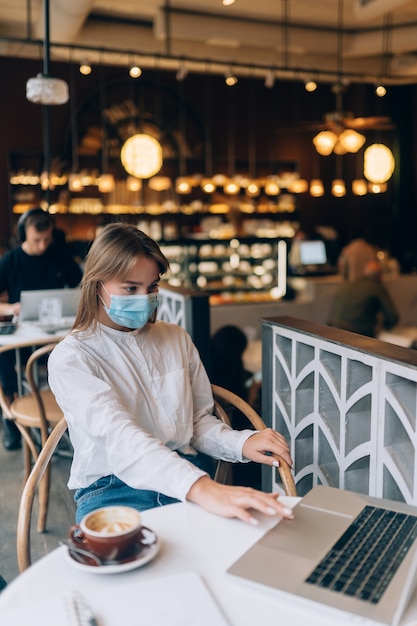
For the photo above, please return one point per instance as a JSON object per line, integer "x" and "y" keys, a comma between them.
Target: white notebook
{"x": 174, "y": 600}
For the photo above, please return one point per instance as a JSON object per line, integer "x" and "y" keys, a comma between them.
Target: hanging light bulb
{"x": 133, "y": 183}
{"x": 141, "y": 155}
{"x": 310, "y": 86}
{"x": 316, "y": 188}
{"x": 378, "y": 163}
{"x": 377, "y": 187}
{"x": 231, "y": 187}
{"x": 47, "y": 90}
{"x": 230, "y": 78}
{"x": 351, "y": 140}
{"x": 106, "y": 183}
{"x": 380, "y": 91}
{"x": 159, "y": 183}
{"x": 207, "y": 185}
{"x": 183, "y": 185}
{"x": 135, "y": 71}
{"x": 324, "y": 142}
{"x": 85, "y": 68}
{"x": 271, "y": 186}
{"x": 359, "y": 187}
{"x": 252, "y": 189}
{"x": 299, "y": 185}
{"x": 75, "y": 182}
{"x": 338, "y": 188}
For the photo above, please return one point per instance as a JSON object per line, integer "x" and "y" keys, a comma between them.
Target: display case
{"x": 240, "y": 266}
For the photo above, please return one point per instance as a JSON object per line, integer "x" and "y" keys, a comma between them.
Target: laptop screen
{"x": 312, "y": 252}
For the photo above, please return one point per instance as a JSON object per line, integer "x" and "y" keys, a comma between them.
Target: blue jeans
{"x": 110, "y": 490}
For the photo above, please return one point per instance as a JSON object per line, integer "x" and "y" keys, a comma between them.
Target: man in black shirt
{"x": 37, "y": 263}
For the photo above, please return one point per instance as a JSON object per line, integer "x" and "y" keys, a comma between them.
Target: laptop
{"x": 49, "y": 309}
{"x": 320, "y": 556}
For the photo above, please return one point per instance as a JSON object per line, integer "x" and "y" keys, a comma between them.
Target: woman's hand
{"x": 229, "y": 501}
{"x": 259, "y": 444}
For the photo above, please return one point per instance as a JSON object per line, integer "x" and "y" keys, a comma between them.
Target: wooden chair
{"x": 224, "y": 398}
{"x": 39, "y": 469}
{"x": 33, "y": 412}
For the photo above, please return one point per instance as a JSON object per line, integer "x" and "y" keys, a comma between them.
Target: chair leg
{"x": 43, "y": 499}
{"x": 30, "y": 451}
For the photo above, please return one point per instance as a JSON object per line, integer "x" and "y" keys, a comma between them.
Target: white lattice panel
{"x": 350, "y": 415}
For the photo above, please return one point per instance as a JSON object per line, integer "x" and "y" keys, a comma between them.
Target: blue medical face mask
{"x": 130, "y": 311}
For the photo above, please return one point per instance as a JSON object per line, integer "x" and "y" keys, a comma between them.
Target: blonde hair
{"x": 111, "y": 257}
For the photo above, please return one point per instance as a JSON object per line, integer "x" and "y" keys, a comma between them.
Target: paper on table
{"x": 176, "y": 600}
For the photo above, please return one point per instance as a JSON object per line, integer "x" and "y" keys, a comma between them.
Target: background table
{"x": 191, "y": 541}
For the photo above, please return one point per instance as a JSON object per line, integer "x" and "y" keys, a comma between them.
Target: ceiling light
{"x": 160, "y": 183}
{"x": 351, "y": 140}
{"x": 310, "y": 86}
{"x": 324, "y": 142}
{"x": 316, "y": 188}
{"x": 377, "y": 187}
{"x": 106, "y": 183}
{"x": 299, "y": 185}
{"x": 270, "y": 79}
{"x": 47, "y": 90}
{"x": 133, "y": 183}
{"x": 338, "y": 188}
{"x": 227, "y": 3}
{"x": 380, "y": 91}
{"x": 359, "y": 187}
{"x": 230, "y": 78}
{"x": 252, "y": 189}
{"x": 271, "y": 187}
{"x": 85, "y": 68}
{"x": 378, "y": 163}
{"x": 231, "y": 187}
{"x": 75, "y": 182}
{"x": 182, "y": 72}
{"x": 141, "y": 156}
{"x": 135, "y": 71}
{"x": 207, "y": 185}
{"x": 182, "y": 185}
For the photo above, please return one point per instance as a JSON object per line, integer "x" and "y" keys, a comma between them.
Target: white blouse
{"x": 131, "y": 399}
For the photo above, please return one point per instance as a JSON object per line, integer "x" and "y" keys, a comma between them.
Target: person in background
{"x": 353, "y": 257}
{"x": 37, "y": 263}
{"x": 142, "y": 415}
{"x": 364, "y": 303}
{"x": 227, "y": 370}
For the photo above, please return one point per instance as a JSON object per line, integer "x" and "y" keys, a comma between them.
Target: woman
{"x": 137, "y": 399}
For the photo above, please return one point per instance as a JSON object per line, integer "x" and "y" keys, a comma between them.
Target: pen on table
{"x": 79, "y": 612}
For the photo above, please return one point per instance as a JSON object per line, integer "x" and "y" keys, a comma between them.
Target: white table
{"x": 191, "y": 541}
{"x": 27, "y": 335}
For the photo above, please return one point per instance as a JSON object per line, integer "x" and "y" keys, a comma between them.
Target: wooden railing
{"x": 347, "y": 404}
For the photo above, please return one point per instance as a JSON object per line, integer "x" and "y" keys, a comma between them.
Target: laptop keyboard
{"x": 364, "y": 560}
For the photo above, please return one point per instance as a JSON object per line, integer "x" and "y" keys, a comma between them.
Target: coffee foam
{"x": 112, "y": 521}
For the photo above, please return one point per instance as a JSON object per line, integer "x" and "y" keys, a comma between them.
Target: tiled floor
{"x": 60, "y": 514}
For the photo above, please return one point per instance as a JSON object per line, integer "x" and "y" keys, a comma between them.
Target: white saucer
{"x": 146, "y": 549}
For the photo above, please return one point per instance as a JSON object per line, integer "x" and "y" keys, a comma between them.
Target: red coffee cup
{"x": 110, "y": 532}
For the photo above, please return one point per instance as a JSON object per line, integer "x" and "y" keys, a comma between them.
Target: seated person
{"x": 354, "y": 257}
{"x": 227, "y": 347}
{"x": 142, "y": 414}
{"x": 364, "y": 302}
{"x": 37, "y": 263}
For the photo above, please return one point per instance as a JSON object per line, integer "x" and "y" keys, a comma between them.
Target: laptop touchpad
{"x": 308, "y": 534}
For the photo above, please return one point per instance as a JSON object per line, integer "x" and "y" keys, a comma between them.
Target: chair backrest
{"x": 32, "y": 372}
{"x": 29, "y": 491}
{"x": 223, "y": 398}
